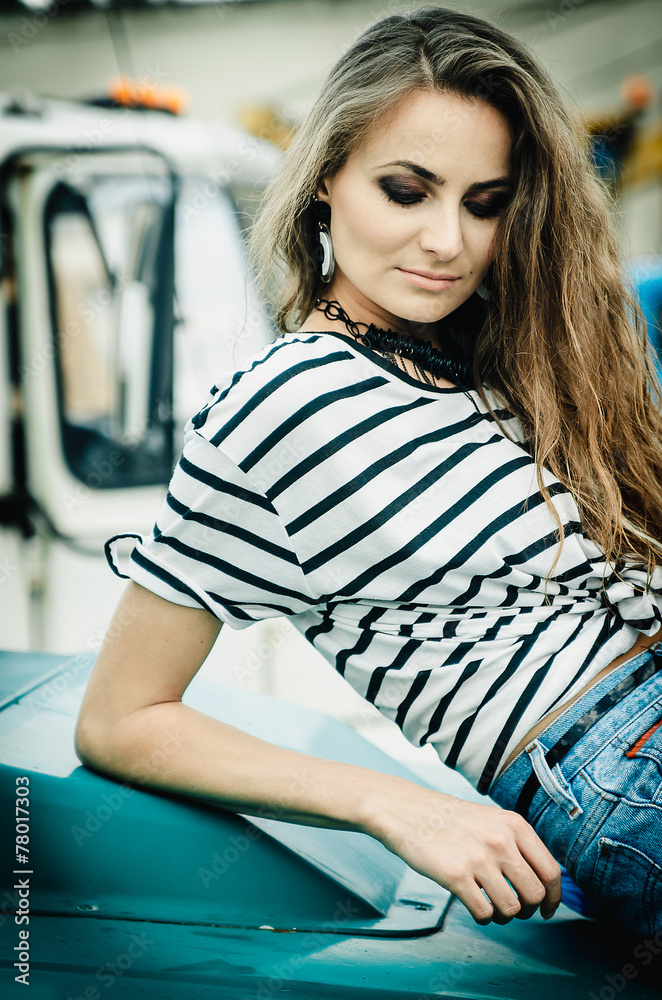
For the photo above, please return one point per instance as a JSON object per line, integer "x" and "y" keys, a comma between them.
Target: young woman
{"x": 448, "y": 475}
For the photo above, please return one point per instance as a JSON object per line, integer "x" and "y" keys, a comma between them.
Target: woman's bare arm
{"x": 133, "y": 727}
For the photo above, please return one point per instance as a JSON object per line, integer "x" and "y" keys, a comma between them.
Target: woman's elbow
{"x": 91, "y": 741}
{"x": 98, "y": 732}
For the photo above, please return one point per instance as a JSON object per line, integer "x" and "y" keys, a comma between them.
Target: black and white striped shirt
{"x": 405, "y": 535}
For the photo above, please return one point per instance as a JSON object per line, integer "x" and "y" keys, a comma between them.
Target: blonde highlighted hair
{"x": 563, "y": 343}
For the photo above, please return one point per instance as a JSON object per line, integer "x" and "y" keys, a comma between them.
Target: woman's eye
{"x": 401, "y": 193}
{"x": 487, "y": 209}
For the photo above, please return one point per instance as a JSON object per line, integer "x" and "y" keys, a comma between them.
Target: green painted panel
{"x": 119, "y": 851}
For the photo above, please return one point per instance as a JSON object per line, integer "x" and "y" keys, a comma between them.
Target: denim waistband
{"x": 506, "y": 787}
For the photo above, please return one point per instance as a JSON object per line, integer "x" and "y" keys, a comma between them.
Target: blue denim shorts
{"x": 599, "y": 809}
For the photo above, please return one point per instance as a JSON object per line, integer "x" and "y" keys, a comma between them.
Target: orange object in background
{"x": 637, "y": 91}
{"x": 145, "y": 94}
{"x": 626, "y": 150}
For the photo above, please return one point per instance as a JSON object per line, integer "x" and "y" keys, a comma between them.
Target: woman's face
{"x": 414, "y": 210}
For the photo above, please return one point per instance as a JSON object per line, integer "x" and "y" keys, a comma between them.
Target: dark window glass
{"x": 110, "y": 253}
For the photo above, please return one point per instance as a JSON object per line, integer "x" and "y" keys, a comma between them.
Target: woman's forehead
{"x": 431, "y": 127}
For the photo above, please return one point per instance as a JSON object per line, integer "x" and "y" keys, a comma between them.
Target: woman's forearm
{"x": 459, "y": 844}
{"x": 176, "y": 748}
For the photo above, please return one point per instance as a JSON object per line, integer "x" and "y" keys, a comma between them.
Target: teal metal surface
{"x": 21, "y": 672}
{"x": 222, "y": 868}
{"x": 143, "y": 896}
{"x": 563, "y": 959}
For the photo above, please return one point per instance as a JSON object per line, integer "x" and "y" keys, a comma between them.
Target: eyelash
{"x": 485, "y": 210}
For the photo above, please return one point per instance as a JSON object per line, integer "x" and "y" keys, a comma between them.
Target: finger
{"x": 533, "y": 894}
{"x": 526, "y": 885}
{"x": 550, "y": 905}
{"x": 505, "y": 902}
{"x": 513, "y": 887}
{"x": 530, "y": 898}
{"x": 549, "y": 873}
{"x": 470, "y": 895}
{"x": 546, "y": 868}
{"x": 493, "y": 899}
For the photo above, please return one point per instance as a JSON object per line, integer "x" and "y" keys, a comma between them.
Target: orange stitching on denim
{"x": 634, "y": 749}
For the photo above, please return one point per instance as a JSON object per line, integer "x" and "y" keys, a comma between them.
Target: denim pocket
{"x": 553, "y": 780}
{"x": 627, "y": 885}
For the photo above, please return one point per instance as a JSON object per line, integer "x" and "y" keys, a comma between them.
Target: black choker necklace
{"x": 427, "y": 359}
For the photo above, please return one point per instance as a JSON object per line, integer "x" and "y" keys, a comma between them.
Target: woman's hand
{"x": 467, "y": 847}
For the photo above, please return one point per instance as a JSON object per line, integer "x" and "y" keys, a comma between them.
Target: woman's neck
{"x": 323, "y": 318}
{"x": 418, "y": 358}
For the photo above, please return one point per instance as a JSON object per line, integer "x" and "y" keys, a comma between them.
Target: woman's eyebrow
{"x": 428, "y": 175}
{"x": 484, "y": 185}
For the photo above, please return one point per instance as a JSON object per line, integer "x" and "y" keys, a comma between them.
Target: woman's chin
{"x": 420, "y": 319}
{"x": 427, "y": 314}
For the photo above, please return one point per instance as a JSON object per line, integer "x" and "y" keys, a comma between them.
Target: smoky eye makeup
{"x": 407, "y": 190}
{"x": 402, "y": 190}
{"x": 488, "y": 205}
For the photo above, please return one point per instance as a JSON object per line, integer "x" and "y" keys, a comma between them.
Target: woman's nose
{"x": 443, "y": 235}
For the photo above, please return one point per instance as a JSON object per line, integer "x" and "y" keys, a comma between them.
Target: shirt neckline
{"x": 387, "y": 366}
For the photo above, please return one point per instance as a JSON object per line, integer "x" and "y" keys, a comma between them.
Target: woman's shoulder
{"x": 248, "y": 375}
{"x": 249, "y": 401}
{"x": 496, "y": 409}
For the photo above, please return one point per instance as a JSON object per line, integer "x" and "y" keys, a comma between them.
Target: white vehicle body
{"x": 97, "y": 204}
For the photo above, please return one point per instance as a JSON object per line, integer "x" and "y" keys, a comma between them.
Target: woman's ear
{"x": 323, "y": 191}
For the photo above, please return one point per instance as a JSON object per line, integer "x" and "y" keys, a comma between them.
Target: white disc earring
{"x": 326, "y": 246}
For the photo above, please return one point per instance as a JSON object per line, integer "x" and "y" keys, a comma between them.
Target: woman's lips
{"x": 425, "y": 279}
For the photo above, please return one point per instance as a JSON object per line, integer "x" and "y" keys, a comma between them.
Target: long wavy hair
{"x": 563, "y": 342}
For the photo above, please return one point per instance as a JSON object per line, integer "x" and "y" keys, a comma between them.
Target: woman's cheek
{"x": 385, "y": 232}
{"x": 486, "y": 242}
